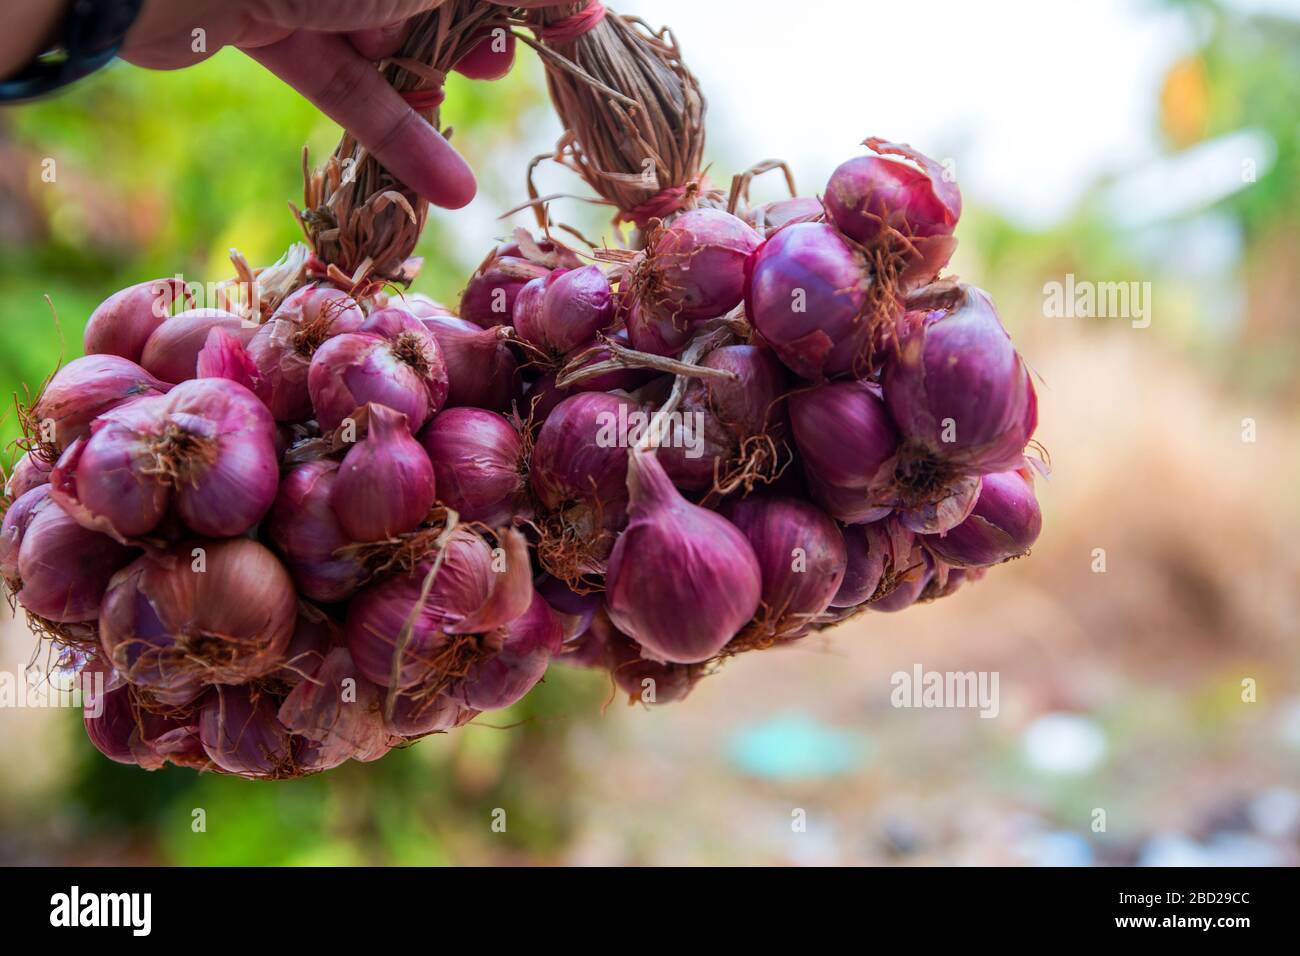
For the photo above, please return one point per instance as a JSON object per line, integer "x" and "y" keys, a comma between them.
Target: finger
{"x": 256, "y": 34}
{"x": 380, "y": 42}
{"x": 349, "y": 90}
{"x": 343, "y": 16}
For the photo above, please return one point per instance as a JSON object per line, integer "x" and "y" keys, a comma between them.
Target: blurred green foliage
{"x": 156, "y": 174}
{"x": 1252, "y": 80}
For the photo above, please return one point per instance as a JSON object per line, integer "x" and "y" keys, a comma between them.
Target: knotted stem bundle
{"x": 633, "y": 112}
{"x": 359, "y": 219}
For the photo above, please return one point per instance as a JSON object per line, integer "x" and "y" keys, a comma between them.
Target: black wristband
{"x": 89, "y": 37}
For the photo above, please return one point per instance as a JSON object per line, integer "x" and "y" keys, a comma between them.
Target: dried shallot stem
{"x": 632, "y": 110}
{"x": 709, "y": 338}
{"x": 622, "y": 357}
{"x": 408, "y": 627}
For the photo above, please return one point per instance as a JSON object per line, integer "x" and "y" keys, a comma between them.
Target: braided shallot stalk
{"x": 632, "y": 110}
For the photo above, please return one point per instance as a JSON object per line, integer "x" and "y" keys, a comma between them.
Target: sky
{"x": 1034, "y": 102}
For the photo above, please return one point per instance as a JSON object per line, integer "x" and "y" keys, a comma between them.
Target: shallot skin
{"x": 847, "y": 442}
{"x": 224, "y": 356}
{"x": 565, "y": 309}
{"x": 752, "y": 407}
{"x": 467, "y": 596}
{"x": 303, "y": 527}
{"x": 694, "y": 268}
{"x": 110, "y": 723}
{"x": 868, "y": 195}
{"x": 237, "y": 489}
{"x": 112, "y": 498}
{"x": 878, "y": 555}
{"x": 242, "y": 734}
{"x": 964, "y": 404}
{"x": 207, "y": 447}
{"x": 801, "y": 556}
{"x": 481, "y": 369}
{"x": 478, "y": 461}
{"x": 64, "y": 568}
{"x": 424, "y": 307}
{"x": 385, "y": 484}
{"x": 202, "y": 612}
{"x": 337, "y": 714}
{"x": 86, "y": 388}
{"x": 808, "y": 298}
{"x": 283, "y": 347}
{"x": 528, "y": 644}
{"x": 547, "y": 394}
{"x": 959, "y": 390}
{"x": 17, "y": 517}
{"x": 172, "y": 350}
{"x": 576, "y": 611}
{"x": 1004, "y": 524}
{"x": 127, "y": 727}
{"x": 30, "y": 471}
{"x": 122, "y": 323}
{"x": 393, "y": 360}
{"x": 772, "y": 217}
{"x": 682, "y": 580}
{"x": 570, "y": 460}
{"x": 169, "y": 739}
{"x": 902, "y": 597}
{"x": 643, "y": 680}
{"x": 902, "y": 211}
{"x": 648, "y": 330}
{"x": 489, "y": 298}
{"x": 416, "y": 717}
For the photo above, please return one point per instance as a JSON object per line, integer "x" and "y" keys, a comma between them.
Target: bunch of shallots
{"x": 309, "y": 532}
{"x": 241, "y": 523}
{"x": 791, "y": 418}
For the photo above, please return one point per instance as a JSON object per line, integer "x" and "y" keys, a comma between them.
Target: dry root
{"x": 180, "y": 458}
{"x": 770, "y": 627}
{"x": 449, "y": 664}
{"x": 406, "y": 551}
{"x": 82, "y": 636}
{"x": 30, "y": 426}
{"x": 738, "y": 199}
{"x": 572, "y": 551}
{"x": 760, "y": 460}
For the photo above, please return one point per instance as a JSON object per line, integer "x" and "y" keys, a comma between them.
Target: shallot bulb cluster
{"x": 288, "y": 544}
{"x": 859, "y": 445}
{"x": 308, "y": 536}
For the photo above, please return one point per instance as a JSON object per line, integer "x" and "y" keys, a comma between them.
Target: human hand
{"x": 324, "y": 49}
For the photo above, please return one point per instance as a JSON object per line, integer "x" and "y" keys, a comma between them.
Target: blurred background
{"x": 1152, "y": 142}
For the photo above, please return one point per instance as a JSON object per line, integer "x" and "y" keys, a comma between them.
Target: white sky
{"x": 1034, "y": 101}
